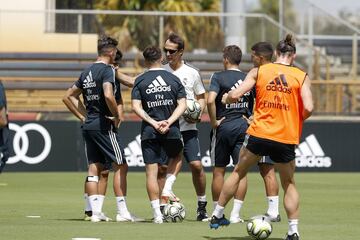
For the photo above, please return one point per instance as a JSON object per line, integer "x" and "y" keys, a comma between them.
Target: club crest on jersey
{"x": 89, "y": 81}
{"x": 279, "y": 84}
{"x": 158, "y": 85}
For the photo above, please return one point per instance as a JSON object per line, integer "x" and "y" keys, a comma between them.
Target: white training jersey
{"x": 190, "y": 78}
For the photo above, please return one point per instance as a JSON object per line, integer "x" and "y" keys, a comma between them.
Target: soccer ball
{"x": 259, "y": 228}
{"x": 174, "y": 212}
{"x": 193, "y": 110}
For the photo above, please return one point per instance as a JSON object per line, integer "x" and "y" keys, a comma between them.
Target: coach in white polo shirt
{"x": 194, "y": 87}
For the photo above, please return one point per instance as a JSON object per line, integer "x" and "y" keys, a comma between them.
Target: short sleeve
{"x": 181, "y": 91}
{"x": 79, "y": 82}
{"x": 135, "y": 93}
{"x": 118, "y": 90}
{"x": 108, "y": 75}
{"x": 2, "y": 97}
{"x": 198, "y": 84}
{"x": 214, "y": 84}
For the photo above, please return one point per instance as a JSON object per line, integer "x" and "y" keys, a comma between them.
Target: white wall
{"x": 22, "y": 31}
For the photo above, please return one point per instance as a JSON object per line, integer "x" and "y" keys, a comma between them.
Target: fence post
{"x": 355, "y": 56}
{"x": 161, "y": 32}
{"x": 262, "y": 29}
{"x": 79, "y": 31}
{"x": 310, "y": 39}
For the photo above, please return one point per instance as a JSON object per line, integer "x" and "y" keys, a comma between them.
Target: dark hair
{"x": 263, "y": 49}
{"x": 173, "y": 37}
{"x": 152, "y": 54}
{"x": 118, "y": 56}
{"x": 233, "y": 54}
{"x": 104, "y": 43}
{"x": 286, "y": 46}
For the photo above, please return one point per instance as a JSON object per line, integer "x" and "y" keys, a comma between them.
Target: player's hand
{"x": 249, "y": 120}
{"x": 116, "y": 120}
{"x": 224, "y": 98}
{"x": 217, "y": 123}
{"x": 82, "y": 119}
{"x": 164, "y": 127}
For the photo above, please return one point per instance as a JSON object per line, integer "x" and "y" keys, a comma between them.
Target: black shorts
{"x": 267, "y": 160}
{"x": 226, "y": 142}
{"x": 191, "y": 145}
{"x": 103, "y": 147}
{"x": 160, "y": 150}
{"x": 277, "y": 151}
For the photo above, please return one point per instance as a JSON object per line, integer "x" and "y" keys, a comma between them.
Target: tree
{"x": 141, "y": 31}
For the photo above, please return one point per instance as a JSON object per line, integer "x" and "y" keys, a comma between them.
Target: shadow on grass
{"x": 236, "y": 238}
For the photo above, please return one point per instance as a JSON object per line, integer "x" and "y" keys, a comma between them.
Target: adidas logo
{"x": 158, "y": 85}
{"x": 279, "y": 84}
{"x": 310, "y": 154}
{"x": 133, "y": 153}
{"x": 89, "y": 81}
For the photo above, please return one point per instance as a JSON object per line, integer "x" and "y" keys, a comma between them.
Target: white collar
{"x": 155, "y": 69}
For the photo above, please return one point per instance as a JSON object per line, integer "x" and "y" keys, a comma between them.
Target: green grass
{"x": 330, "y": 208}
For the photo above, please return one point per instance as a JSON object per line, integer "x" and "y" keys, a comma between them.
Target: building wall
{"x": 24, "y": 31}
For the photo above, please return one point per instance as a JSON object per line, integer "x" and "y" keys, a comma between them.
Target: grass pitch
{"x": 50, "y": 206}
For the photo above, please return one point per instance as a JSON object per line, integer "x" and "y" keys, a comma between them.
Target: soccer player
{"x": 97, "y": 85}
{"x": 4, "y": 129}
{"x": 194, "y": 87}
{"x": 283, "y": 102}
{"x": 262, "y": 53}
{"x": 104, "y": 175}
{"x": 229, "y": 125}
{"x": 158, "y": 98}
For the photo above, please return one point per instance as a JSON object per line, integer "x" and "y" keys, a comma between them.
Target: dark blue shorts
{"x": 103, "y": 147}
{"x": 277, "y": 151}
{"x": 160, "y": 150}
{"x": 226, "y": 140}
{"x": 191, "y": 145}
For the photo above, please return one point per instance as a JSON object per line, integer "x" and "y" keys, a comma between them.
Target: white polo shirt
{"x": 190, "y": 78}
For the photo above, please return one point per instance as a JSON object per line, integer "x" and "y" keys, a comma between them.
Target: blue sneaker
{"x": 218, "y": 222}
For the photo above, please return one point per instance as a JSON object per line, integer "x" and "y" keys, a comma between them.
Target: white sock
{"x": 236, "y": 208}
{"x": 95, "y": 204}
{"x": 121, "y": 205}
{"x": 87, "y": 202}
{"x": 214, "y": 204}
{"x": 273, "y": 203}
{"x": 170, "y": 180}
{"x": 201, "y": 198}
{"x": 293, "y": 226}
{"x": 101, "y": 201}
{"x": 155, "y": 204}
{"x": 218, "y": 211}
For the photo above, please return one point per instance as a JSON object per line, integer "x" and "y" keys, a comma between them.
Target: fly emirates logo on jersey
{"x": 157, "y": 87}
{"x": 279, "y": 84}
{"x": 240, "y": 103}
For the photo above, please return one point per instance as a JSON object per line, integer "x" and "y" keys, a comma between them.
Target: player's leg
{"x": 94, "y": 159}
{"x": 231, "y": 185}
{"x": 192, "y": 156}
{"x": 102, "y": 185}
{"x": 291, "y": 195}
{"x": 240, "y": 193}
{"x": 4, "y": 156}
{"x": 217, "y": 183}
{"x": 172, "y": 171}
{"x": 173, "y": 150}
{"x": 267, "y": 171}
{"x": 151, "y": 149}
